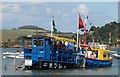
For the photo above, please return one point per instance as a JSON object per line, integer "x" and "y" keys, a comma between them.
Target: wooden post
{"x": 14, "y": 64}
{"x": 5, "y": 67}
{"x": 51, "y": 28}
{"x": 84, "y": 60}
{"x": 77, "y": 44}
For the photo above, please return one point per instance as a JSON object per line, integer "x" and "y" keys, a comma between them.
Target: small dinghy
{"x": 117, "y": 55}
{"x": 18, "y": 54}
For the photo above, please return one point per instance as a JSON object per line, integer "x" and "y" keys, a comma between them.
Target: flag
{"x": 86, "y": 16}
{"x": 80, "y": 23}
{"x": 87, "y": 19}
{"x": 54, "y": 27}
{"x": 92, "y": 30}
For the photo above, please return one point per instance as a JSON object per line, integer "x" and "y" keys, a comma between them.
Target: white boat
{"x": 13, "y": 55}
{"x": 116, "y": 55}
{"x": 10, "y": 53}
{"x": 113, "y": 51}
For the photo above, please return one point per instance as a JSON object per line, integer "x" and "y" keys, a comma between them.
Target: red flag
{"x": 80, "y": 24}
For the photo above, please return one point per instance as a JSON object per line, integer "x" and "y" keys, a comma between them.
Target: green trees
{"x": 101, "y": 34}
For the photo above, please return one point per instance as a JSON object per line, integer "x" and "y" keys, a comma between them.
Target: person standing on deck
{"x": 70, "y": 46}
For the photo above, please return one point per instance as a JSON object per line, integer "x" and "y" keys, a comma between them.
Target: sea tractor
{"x": 44, "y": 52}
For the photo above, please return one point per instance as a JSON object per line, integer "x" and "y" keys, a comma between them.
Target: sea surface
{"x": 9, "y": 70}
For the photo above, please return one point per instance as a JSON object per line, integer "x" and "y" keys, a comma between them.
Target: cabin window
{"x": 106, "y": 54}
{"x": 38, "y": 42}
{"x": 27, "y": 44}
{"x": 28, "y": 57}
{"x": 39, "y": 58}
{"x": 96, "y": 53}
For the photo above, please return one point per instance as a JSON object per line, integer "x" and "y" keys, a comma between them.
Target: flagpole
{"x": 77, "y": 34}
{"x": 77, "y": 39}
{"x": 85, "y": 30}
{"x": 51, "y": 27}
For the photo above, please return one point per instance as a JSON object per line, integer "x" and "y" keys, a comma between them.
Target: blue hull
{"x": 98, "y": 63}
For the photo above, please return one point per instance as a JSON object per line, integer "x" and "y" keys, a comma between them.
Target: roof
{"x": 51, "y": 37}
{"x": 103, "y": 50}
{"x": 60, "y": 39}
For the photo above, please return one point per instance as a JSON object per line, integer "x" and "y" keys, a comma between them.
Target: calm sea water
{"x": 79, "y": 71}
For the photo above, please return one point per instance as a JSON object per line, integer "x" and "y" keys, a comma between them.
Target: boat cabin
{"x": 50, "y": 49}
{"x": 96, "y": 51}
{"x": 101, "y": 54}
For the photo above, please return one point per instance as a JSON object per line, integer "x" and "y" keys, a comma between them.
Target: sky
{"x": 16, "y": 14}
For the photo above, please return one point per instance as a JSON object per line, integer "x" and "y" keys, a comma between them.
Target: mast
{"x": 51, "y": 24}
{"x": 51, "y": 27}
{"x": 85, "y": 29}
{"x": 77, "y": 44}
{"x": 84, "y": 40}
{"x": 36, "y": 34}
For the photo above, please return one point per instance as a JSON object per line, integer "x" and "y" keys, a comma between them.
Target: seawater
{"x": 79, "y": 71}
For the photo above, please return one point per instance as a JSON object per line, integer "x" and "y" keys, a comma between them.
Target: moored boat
{"x": 97, "y": 55}
{"x": 117, "y": 54}
{"x": 50, "y": 52}
{"x": 17, "y": 54}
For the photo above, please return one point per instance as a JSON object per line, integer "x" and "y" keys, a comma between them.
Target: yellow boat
{"x": 97, "y": 55}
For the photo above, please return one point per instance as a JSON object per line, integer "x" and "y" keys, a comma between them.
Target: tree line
{"x": 101, "y": 34}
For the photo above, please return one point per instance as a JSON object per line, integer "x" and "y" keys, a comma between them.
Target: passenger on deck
{"x": 64, "y": 46}
{"x": 70, "y": 46}
{"x": 66, "y": 43}
{"x": 88, "y": 53}
{"x": 60, "y": 45}
{"x": 94, "y": 55}
{"x": 55, "y": 45}
{"x": 51, "y": 44}
{"x": 82, "y": 51}
{"x": 75, "y": 46}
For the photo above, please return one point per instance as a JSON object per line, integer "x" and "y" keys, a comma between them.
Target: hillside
{"x": 31, "y": 27}
{"x": 101, "y": 34}
{"x": 13, "y": 34}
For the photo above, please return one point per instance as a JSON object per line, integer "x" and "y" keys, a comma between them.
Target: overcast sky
{"x": 16, "y": 14}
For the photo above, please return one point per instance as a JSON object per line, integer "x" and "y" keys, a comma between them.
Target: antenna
{"x": 36, "y": 34}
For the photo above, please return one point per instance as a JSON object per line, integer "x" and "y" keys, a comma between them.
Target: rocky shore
{"x": 11, "y": 44}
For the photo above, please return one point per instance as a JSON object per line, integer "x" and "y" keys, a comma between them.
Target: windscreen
{"x": 38, "y": 42}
